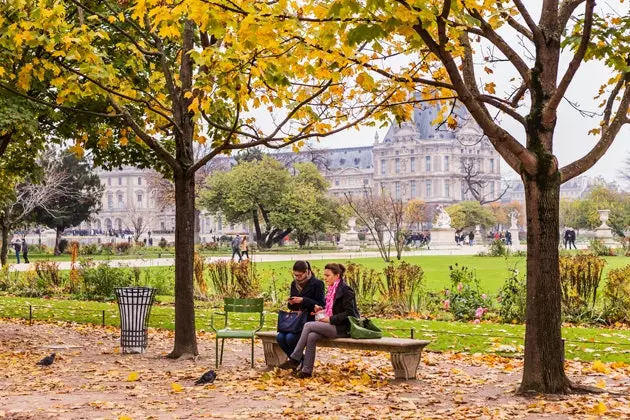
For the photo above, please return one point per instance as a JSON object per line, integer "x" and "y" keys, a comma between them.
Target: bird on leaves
{"x": 47, "y": 361}
{"x": 206, "y": 378}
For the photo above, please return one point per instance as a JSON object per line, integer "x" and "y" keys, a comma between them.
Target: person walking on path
{"x": 572, "y": 238}
{"x": 330, "y": 322}
{"x": 244, "y": 248}
{"x": 25, "y": 251}
{"x": 471, "y": 238}
{"x": 17, "y": 247}
{"x": 236, "y": 248}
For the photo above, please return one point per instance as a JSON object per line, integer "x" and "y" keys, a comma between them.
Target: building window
{"x": 447, "y": 189}
{"x": 110, "y": 201}
{"x": 429, "y": 185}
{"x": 109, "y": 181}
{"x": 119, "y": 180}
{"x": 382, "y": 166}
{"x": 162, "y": 227}
{"x": 397, "y": 165}
{"x": 139, "y": 181}
{"x": 336, "y": 182}
{"x": 446, "y": 164}
{"x": 427, "y": 165}
{"x": 491, "y": 165}
{"x": 413, "y": 189}
{"x": 412, "y": 164}
{"x": 140, "y": 200}
{"x": 121, "y": 203}
{"x": 492, "y": 190}
{"x": 397, "y": 190}
{"x": 365, "y": 181}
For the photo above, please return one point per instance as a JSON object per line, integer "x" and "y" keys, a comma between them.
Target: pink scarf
{"x": 330, "y": 297}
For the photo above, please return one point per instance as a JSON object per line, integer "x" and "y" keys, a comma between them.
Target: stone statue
{"x": 513, "y": 219}
{"x": 443, "y": 219}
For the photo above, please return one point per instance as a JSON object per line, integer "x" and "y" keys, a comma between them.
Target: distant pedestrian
{"x": 572, "y": 238}
{"x": 18, "y": 247}
{"x": 25, "y": 251}
{"x": 471, "y": 238}
{"x": 236, "y": 248}
{"x": 566, "y": 237}
{"x": 244, "y": 248}
{"x": 508, "y": 238}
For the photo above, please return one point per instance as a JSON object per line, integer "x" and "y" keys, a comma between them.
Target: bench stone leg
{"x": 405, "y": 364}
{"x": 273, "y": 353}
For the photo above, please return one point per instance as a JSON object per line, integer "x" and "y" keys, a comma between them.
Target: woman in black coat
{"x": 307, "y": 291}
{"x": 330, "y": 322}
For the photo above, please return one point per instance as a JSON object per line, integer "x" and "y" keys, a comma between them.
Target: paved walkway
{"x": 341, "y": 256}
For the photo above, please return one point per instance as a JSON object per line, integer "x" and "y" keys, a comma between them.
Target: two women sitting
{"x": 328, "y": 316}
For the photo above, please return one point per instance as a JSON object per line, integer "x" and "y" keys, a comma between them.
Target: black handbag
{"x": 291, "y": 322}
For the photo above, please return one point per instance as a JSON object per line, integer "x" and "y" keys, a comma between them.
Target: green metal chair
{"x": 236, "y": 306}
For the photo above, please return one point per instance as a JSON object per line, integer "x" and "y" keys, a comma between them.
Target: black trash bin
{"x": 134, "y": 304}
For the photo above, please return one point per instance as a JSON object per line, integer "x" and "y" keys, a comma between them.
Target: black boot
{"x": 289, "y": 364}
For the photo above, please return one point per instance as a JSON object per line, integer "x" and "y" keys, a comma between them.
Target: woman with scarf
{"x": 331, "y": 322}
{"x": 307, "y": 292}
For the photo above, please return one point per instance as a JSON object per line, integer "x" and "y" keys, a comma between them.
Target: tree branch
{"x": 609, "y": 134}
{"x": 566, "y": 10}
{"x": 577, "y": 59}
{"x": 148, "y": 140}
{"x": 536, "y": 31}
{"x": 497, "y": 103}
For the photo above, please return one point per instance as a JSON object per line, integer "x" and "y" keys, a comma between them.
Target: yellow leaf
{"x": 124, "y": 418}
{"x": 599, "y": 367}
{"x": 133, "y": 376}
{"x": 491, "y": 88}
{"x": 124, "y": 141}
{"x": 601, "y": 384}
{"x": 176, "y": 387}
{"x": 77, "y": 150}
{"x": 599, "y": 408}
{"x": 111, "y": 19}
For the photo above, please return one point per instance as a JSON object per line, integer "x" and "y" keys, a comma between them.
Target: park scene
{"x": 314, "y": 209}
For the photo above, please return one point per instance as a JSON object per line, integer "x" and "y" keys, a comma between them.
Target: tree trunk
{"x": 544, "y": 369}
{"x": 58, "y": 233}
{"x": 185, "y": 333}
{"x": 5, "y": 245}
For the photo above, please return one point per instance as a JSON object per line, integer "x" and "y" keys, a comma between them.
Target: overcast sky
{"x": 571, "y": 138}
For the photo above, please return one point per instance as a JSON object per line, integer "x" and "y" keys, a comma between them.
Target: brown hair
{"x": 302, "y": 266}
{"x": 336, "y": 268}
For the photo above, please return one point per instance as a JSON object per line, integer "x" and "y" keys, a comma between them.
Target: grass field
{"x": 583, "y": 343}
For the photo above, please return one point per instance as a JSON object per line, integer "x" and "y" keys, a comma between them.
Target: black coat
{"x": 344, "y": 305}
{"x": 312, "y": 294}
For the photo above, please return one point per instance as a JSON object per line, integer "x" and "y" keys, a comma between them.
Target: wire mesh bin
{"x": 134, "y": 304}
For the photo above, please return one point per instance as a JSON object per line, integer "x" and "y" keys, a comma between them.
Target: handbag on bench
{"x": 291, "y": 322}
{"x": 363, "y": 328}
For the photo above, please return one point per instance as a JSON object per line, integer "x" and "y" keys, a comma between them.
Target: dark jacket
{"x": 312, "y": 294}
{"x": 24, "y": 248}
{"x": 344, "y": 305}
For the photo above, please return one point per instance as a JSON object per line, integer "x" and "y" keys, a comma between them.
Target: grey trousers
{"x": 312, "y": 332}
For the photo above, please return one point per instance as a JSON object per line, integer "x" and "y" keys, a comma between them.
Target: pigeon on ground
{"x": 206, "y": 378}
{"x": 47, "y": 361}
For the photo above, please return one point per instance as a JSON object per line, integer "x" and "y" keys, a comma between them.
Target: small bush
{"x": 580, "y": 276}
{"x": 617, "y": 294}
{"x": 498, "y": 249}
{"x": 162, "y": 280}
{"x": 402, "y": 286}
{"x": 99, "y": 281}
{"x": 123, "y": 247}
{"x": 209, "y": 246}
{"x": 230, "y": 279}
{"x": 464, "y": 300}
{"x": 38, "y": 249}
{"x": 599, "y": 249}
{"x": 48, "y": 272}
{"x": 163, "y": 243}
{"x": 366, "y": 283}
{"x": 89, "y": 249}
{"x": 512, "y": 298}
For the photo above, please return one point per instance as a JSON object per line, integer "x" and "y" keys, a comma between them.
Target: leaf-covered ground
{"x": 91, "y": 379}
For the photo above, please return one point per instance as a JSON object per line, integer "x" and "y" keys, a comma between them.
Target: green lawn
{"x": 583, "y": 343}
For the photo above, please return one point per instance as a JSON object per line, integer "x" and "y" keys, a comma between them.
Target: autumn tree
{"x": 454, "y": 48}
{"x": 468, "y": 214}
{"x": 170, "y": 74}
{"x": 476, "y": 185}
{"x": 414, "y": 215}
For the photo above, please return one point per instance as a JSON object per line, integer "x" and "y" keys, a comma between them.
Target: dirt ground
{"x": 90, "y": 379}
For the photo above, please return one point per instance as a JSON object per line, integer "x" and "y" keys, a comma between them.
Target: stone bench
{"x": 405, "y": 353}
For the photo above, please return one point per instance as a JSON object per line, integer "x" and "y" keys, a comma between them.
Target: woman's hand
{"x": 316, "y": 309}
{"x": 295, "y": 300}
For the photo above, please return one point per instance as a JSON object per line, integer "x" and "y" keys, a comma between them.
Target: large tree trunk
{"x": 544, "y": 369}
{"x": 5, "y": 245}
{"x": 185, "y": 334}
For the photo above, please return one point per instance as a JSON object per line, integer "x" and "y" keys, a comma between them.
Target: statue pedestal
{"x": 516, "y": 244}
{"x": 349, "y": 241}
{"x": 605, "y": 235}
{"x": 443, "y": 238}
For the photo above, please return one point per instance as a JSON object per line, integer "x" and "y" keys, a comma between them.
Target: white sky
{"x": 571, "y": 138}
